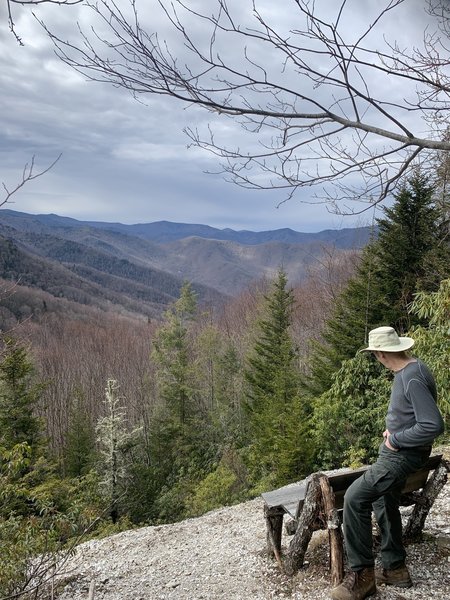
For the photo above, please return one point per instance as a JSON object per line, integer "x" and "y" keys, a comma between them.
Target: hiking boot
{"x": 398, "y": 577}
{"x": 356, "y": 586}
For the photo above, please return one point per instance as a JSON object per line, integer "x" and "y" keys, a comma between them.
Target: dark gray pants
{"x": 379, "y": 490}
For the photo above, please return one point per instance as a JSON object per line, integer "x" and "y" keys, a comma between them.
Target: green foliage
{"x": 39, "y": 514}
{"x": 106, "y": 528}
{"x": 143, "y": 490}
{"x": 433, "y": 342}
{"x": 411, "y": 253}
{"x": 410, "y": 238}
{"x": 273, "y": 352}
{"x": 79, "y": 450}
{"x": 226, "y": 485}
{"x": 32, "y": 489}
{"x": 173, "y": 499}
{"x": 349, "y": 418}
{"x": 18, "y": 398}
{"x": 171, "y": 354}
{"x": 277, "y": 415}
{"x": 214, "y": 491}
{"x": 22, "y": 539}
{"x": 182, "y": 442}
{"x": 218, "y": 371}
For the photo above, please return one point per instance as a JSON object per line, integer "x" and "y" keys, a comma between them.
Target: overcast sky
{"x": 121, "y": 161}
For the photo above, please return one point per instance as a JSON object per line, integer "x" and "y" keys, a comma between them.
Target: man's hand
{"x": 386, "y": 435}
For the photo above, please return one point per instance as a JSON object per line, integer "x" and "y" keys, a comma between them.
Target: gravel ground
{"x": 221, "y": 556}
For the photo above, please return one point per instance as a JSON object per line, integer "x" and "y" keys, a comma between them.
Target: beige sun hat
{"x": 386, "y": 339}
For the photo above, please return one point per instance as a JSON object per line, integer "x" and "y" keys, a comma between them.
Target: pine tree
{"x": 219, "y": 376}
{"x": 276, "y": 415}
{"x": 177, "y": 448}
{"x": 172, "y": 358}
{"x": 408, "y": 236}
{"x": 18, "y": 399}
{"x": 392, "y": 269}
{"x": 349, "y": 416}
{"x": 79, "y": 451}
{"x": 273, "y": 350}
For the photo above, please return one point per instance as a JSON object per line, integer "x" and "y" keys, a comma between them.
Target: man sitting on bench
{"x": 413, "y": 421}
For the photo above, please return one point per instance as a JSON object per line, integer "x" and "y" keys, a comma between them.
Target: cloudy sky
{"x": 122, "y": 161}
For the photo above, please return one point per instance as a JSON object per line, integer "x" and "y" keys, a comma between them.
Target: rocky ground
{"x": 221, "y": 556}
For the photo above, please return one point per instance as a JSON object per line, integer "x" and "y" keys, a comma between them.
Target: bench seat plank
{"x": 286, "y": 498}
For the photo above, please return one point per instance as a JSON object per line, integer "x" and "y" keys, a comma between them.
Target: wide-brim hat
{"x": 386, "y": 339}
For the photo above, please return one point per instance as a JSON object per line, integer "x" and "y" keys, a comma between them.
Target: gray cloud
{"x": 121, "y": 160}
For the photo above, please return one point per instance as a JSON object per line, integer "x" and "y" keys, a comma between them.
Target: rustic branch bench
{"x": 316, "y": 502}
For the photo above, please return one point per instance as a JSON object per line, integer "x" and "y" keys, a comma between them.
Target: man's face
{"x": 380, "y": 356}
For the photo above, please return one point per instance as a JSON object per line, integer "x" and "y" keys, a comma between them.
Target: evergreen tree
{"x": 273, "y": 351}
{"x": 172, "y": 357}
{"x": 18, "y": 398}
{"x": 392, "y": 269}
{"x": 277, "y": 418}
{"x": 79, "y": 451}
{"x": 177, "y": 445}
{"x": 408, "y": 235}
{"x": 229, "y": 416}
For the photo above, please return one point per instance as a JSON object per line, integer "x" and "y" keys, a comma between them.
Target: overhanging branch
{"x": 318, "y": 115}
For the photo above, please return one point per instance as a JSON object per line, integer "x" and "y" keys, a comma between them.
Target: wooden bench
{"x": 316, "y": 503}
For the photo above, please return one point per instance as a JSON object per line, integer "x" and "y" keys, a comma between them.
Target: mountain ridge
{"x": 142, "y": 267}
{"x": 167, "y": 231}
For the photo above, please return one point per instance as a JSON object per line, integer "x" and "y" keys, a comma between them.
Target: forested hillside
{"x": 76, "y": 272}
{"x": 109, "y": 420}
{"x": 157, "y": 257}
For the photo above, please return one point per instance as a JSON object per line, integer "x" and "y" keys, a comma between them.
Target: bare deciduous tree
{"x": 28, "y": 174}
{"x": 328, "y": 101}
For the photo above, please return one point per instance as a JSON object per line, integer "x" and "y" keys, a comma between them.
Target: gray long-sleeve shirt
{"x": 413, "y": 418}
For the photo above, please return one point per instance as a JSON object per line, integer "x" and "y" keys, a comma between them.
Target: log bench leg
{"x": 434, "y": 485}
{"x": 334, "y": 532}
{"x": 274, "y": 521}
{"x": 305, "y": 527}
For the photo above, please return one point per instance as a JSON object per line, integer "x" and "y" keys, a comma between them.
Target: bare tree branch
{"x": 9, "y": 4}
{"x": 28, "y": 174}
{"x": 317, "y": 98}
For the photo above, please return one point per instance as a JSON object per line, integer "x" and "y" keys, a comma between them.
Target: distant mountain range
{"x": 142, "y": 266}
{"x": 162, "y": 232}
